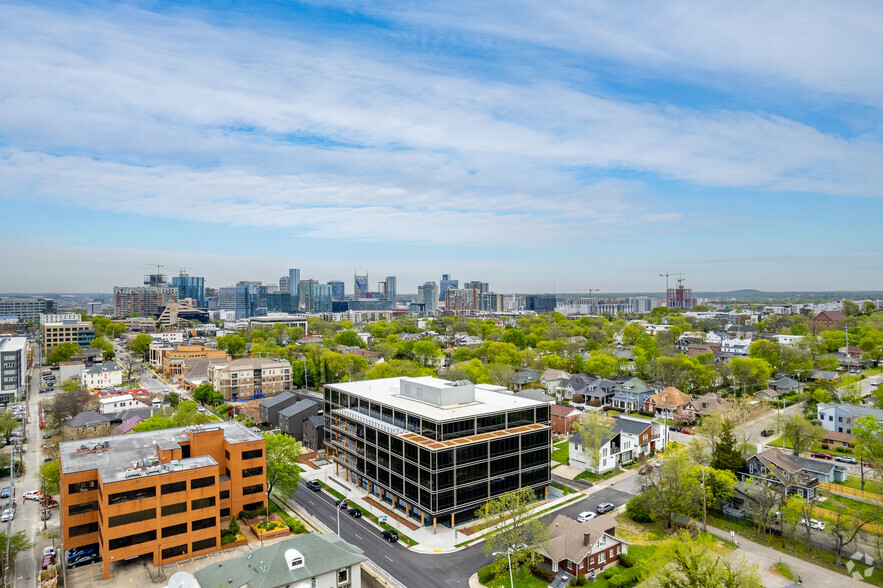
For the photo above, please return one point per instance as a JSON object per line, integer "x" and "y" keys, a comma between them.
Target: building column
{"x": 452, "y": 520}
{"x": 434, "y": 521}
{"x": 423, "y": 518}
{"x": 105, "y": 564}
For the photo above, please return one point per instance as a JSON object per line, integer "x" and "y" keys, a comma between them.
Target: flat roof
{"x": 433, "y": 444}
{"x": 125, "y": 450}
{"x": 386, "y": 391}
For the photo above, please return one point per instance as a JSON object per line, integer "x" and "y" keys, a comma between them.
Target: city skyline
{"x": 591, "y": 146}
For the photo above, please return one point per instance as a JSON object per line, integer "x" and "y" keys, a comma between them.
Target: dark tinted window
{"x": 252, "y": 454}
{"x": 131, "y": 517}
{"x": 78, "y": 530}
{"x": 174, "y": 551}
{"x": 203, "y": 523}
{"x": 174, "y": 530}
{"x": 170, "y": 509}
{"x": 78, "y": 487}
{"x": 83, "y": 507}
{"x": 173, "y": 487}
{"x": 132, "y": 540}
{"x": 202, "y": 482}
{"x": 204, "y": 544}
{"x": 202, "y": 503}
{"x": 249, "y": 472}
{"x": 253, "y": 489}
{"x": 137, "y": 494}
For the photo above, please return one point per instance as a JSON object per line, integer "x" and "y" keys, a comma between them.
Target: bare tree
{"x": 845, "y": 530}
{"x": 765, "y": 496}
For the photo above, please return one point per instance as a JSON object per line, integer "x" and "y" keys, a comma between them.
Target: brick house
{"x": 563, "y": 418}
{"x": 828, "y": 319}
{"x": 576, "y": 548}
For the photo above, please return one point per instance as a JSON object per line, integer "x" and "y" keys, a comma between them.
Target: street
{"x": 429, "y": 570}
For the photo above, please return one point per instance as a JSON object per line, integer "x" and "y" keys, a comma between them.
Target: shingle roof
{"x": 87, "y": 418}
{"x": 317, "y": 420}
{"x": 855, "y": 410}
{"x": 785, "y": 383}
{"x": 670, "y": 397}
{"x": 567, "y": 537}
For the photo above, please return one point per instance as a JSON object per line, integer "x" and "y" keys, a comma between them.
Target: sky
{"x": 540, "y": 147}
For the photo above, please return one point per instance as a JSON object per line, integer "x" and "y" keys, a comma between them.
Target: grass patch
{"x": 566, "y": 489}
{"x": 527, "y": 580}
{"x": 590, "y": 477}
{"x": 783, "y": 569}
{"x": 561, "y": 453}
{"x": 332, "y": 491}
{"x": 293, "y": 524}
{"x": 402, "y": 537}
{"x": 848, "y": 506}
{"x": 855, "y": 483}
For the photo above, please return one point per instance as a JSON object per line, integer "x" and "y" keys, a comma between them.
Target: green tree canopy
{"x": 141, "y": 344}
{"x": 50, "y": 476}
{"x": 233, "y": 344}
{"x": 514, "y": 530}
{"x": 282, "y": 469}
{"x": 726, "y": 455}
{"x": 64, "y": 352}
{"x": 594, "y": 429}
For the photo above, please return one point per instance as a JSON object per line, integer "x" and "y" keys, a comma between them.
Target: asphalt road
{"x": 413, "y": 569}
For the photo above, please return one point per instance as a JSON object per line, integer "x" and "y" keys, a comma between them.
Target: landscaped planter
{"x": 268, "y": 528}
{"x": 241, "y": 541}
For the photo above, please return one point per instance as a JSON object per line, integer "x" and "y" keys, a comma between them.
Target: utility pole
{"x": 704, "y": 511}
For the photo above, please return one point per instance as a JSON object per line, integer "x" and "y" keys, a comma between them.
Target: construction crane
{"x": 158, "y": 266}
{"x": 666, "y": 275}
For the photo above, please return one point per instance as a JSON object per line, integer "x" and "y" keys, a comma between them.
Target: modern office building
{"x": 247, "y": 297}
{"x": 482, "y": 287}
{"x": 446, "y": 282}
{"x": 227, "y": 298}
{"x": 360, "y": 286}
{"x": 280, "y": 302}
{"x": 284, "y": 285}
{"x": 391, "y": 288}
{"x": 317, "y": 298}
{"x": 338, "y": 290}
{"x": 490, "y": 302}
{"x": 540, "y": 303}
{"x": 59, "y": 317}
{"x": 165, "y": 494}
{"x": 26, "y": 309}
{"x": 141, "y": 300}
{"x": 436, "y": 450}
{"x": 66, "y": 332}
{"x": 13, "y": 368}
{"x": 294, "y": 283}
{"x": 302, "y": 290}
{"x": 427, "y": 294}
{"x": 245, "y": 378}
{"x": 190, "y": 287}
{"x": 211, "y": 298}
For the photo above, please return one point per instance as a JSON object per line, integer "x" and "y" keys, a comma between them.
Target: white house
{"x": 173, "y": 337}
{"x": 102, "y": 376}
{"x": 842, "y": 417}
{"x": 632, "y": 437}
{"x": 119, "y": 404}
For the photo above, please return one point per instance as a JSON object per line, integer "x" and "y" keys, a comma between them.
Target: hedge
{"x": 628, "y": 578}
{"x": 626, "y": 560}
{"x": 486, "y": 574}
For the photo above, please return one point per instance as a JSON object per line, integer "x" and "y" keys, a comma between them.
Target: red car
{"x": 48, "y": 560}
{"x": 821, "y": 455}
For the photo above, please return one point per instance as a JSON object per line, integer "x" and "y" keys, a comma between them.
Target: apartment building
{"x": 163, "y": 493}
{"x": 249, "y": 377}
{"x": 433, "y": 449}
{"x": 102, "y": 376}
{"x": 13, "y": 367}
{"x": 72, "y": 331}
{"x": 142, "y": 300}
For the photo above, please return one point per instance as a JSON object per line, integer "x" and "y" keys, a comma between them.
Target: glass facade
{"x": 190, "y": 287}
{"x": 317, "y": 298}
{"x": 401, "y": 456}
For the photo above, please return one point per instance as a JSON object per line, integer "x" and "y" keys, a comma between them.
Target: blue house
{"x": 631, "y": 394}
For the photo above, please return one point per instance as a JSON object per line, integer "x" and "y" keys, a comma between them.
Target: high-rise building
{"x": 247, "y": 296}
{"x": 318, "y": 298}
{"x": 482, "y": 287}
{"x": 490, "y": 302}
{"x": 27, "y": 309}
{"x": 279, "y": 302}
{"x": 190, "y": 287}
{"x": 446, "y": 282}
{"x": 360, "y": 289}
{"x": 304, "y": 285}
{"x": 294, "y": 282}
{"x": 338, "y": 290}
{"x": 142, "y": 300}
{"x": 284, "y": 284}
{"x": 437, "y": 450}
{"x": 540, "y": 303}
{"x": 461, "y": 301}
{"x": 391, "y": 288}
{"x": 227, "y": 298}
{"x": 427, "y": 294}
{"x": 156, "y": 280}
{"x": 14, "y": 362}
{"x": 680, "y": 297}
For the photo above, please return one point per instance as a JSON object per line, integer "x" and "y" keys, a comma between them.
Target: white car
{"x": 585, "y": 516}
{"x": 33, "y": 495}
{"x": 814, "y": 524}
{"x": 8, "y": 515}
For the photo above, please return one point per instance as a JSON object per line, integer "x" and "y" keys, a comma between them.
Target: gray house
{"x": 314, "y": 433}
{"x": 842, "y": 417}
{"x": 270, "y": 407}
{"x": 291, "y": 419}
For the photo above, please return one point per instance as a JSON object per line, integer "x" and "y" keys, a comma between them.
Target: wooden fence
{"x": 847, "y": 491}
{"x": 828, "y": 514}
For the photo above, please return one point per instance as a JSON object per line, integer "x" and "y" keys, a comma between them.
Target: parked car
{"x": 314, "y": 485}
{"x": 341, "y": 503}
{"x": 47, "y": 550}
{"x": 814, "y": 524}
{"x": 354, "y": 512}
{"x": 8, "y": 515}
{"x": 82, "y": 560}
{"x": 389, "y": 535}
{"x": 585, "y": 516}
{"x": 78, "y": 551}
{"x": 767, "y": 433}
{"x": 45, "y": 514}
{"x": 33, "y": 495}
{"x": 5, "y": 492}
{"x": 686, "y": 431}
{"x": 674, "y": 429}
{"x": 604, "y": 507}
{"x": 821, "y": 455}
{"x": 867, "y": 464}
{"x": 846, "y": 459}
{"x": 48, "y": 560}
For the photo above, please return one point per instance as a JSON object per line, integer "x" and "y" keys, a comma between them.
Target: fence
{"x": 828, "y": 514}
{"x": 847, "y": 491}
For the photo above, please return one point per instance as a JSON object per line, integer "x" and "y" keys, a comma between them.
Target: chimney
{"x": 587, "y": 538}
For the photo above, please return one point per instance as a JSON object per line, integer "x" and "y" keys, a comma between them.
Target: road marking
{"x": 387, "y": 557}
{"x": 357, "y": 537}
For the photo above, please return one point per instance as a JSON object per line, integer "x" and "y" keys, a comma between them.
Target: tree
{"x": 18, "y": 543}
{"x": 768, "y": 350}
{"x": 426, "y": 352}
{"x": 801, "y": 433}
{"x": 105, "y": 346}
{"x": 64, "y": 352}
{"x": 8, "y": 424}
{"x": 233, "y": 344}
{"x": 50, "y": 476}
{"x": 66, "y": 405}
{"x": 850, "y": 308}
{"x": 684, "y": 562}
{"x": 396, "y": 368}
{"x": 205, "y": 394}
{"x": 845, "y": 529}
{"x": 750, "y": 372}
{"x": 868, "y": 434}
{"x": 141, "y": 344}
{"x": 594, "y": 429}
{"x": 513, "y": 527}
{"x": 173, "y": 399}
{"x": 763, "y": 497}
{"x": 349, "y": 338}
{"x": 282, "y": 469}
{"x": 114, "y": 330}
{"x": 726, "y": 455}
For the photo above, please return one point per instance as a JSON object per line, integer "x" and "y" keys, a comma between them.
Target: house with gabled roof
{"x": 632, "y": 394}
{"x": 790, "y": 473}
{"x": 631, "y": 438}
{"x": 552, "y": 378}
{"x": 786, "y": 384}
{"x": 563, "y": 418}
{"x": 577, "y": 548}
{"x": 841, "y": 417}
{"x": 710, "y": 403}
{"x": 666, "y": 403}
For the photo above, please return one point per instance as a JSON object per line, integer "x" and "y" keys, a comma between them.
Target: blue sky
{"x": 539, "y": 148}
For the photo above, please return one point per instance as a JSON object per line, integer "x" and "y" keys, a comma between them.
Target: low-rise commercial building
{"x": 73, "y": 331}
{"x": 433, "y": 449}
{"x": 26, "y": 309}
{"x": 162, "y": 493}
{"x": 245, "y": 378}
{"x": 172, "y": 359}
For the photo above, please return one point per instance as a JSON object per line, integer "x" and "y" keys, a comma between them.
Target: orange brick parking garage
{"x": 165, "y": 493}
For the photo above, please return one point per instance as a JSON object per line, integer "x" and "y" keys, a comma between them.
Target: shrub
{"x": 253, "y": 514}
{"x": 843, "y": 450}
{"x": 636, "y": 509}
{"x": 824, "y": 446}
{"x": 580, "y": 580}
{"x": 486, "y": 574}
{"x": 626, "y": 560}
{"x": 609, "y": 573}
{"x": 626, "y": 579}
{"x": 297, "y": 527}
{"x": 542, "y": 574}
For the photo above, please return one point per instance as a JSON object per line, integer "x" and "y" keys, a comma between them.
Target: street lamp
{"x": 508, "y": 557}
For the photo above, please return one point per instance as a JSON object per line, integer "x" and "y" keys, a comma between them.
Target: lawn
{"x": 783, "y": 569}
{"x": 525, "y": 581}
{"x": 855, "y": 483}
{"x": 848, "y": 506}
{"x": 565, "y": 489}
{"x": 561, "y": 453}
{"x": 591, "y": 477}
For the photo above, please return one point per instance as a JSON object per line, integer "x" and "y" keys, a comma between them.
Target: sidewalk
{"x": 765, "y": 557}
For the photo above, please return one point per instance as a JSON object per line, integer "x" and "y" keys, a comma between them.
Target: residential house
{"x": 786, "y": 385}
{"x": 791, "y": 474}
{"x": 270, "y": 407}
{"x": 666, "y": 403}
{"x": 837, "y": 439}
{"x": 578, "y": 548}
{"x": 524, "y": 378}
{"x": 551, "y": 379}
{"x": 827, "y": 375}
{"x": 291, "y": 418}
{"x": 842, "y": 417}
{"x": 119, "y": 402}
{"x": 697, "y": 349}
{"x": 710, "y": 403}
{"x": 127, "y": 426}
{"x": 828, "y": 319}
{"x": 768, "y": 394}
{"x": 102, "y": 376}
{"x": 310, "y": 560}
{"x": 314, "y": 433}
{"x": 631, "y": 438}
{"x": 735, "y": 347}
{"x": 632, "y": 394}
{"x": 563, "y": 418}
{"x": 87, "y": 423}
